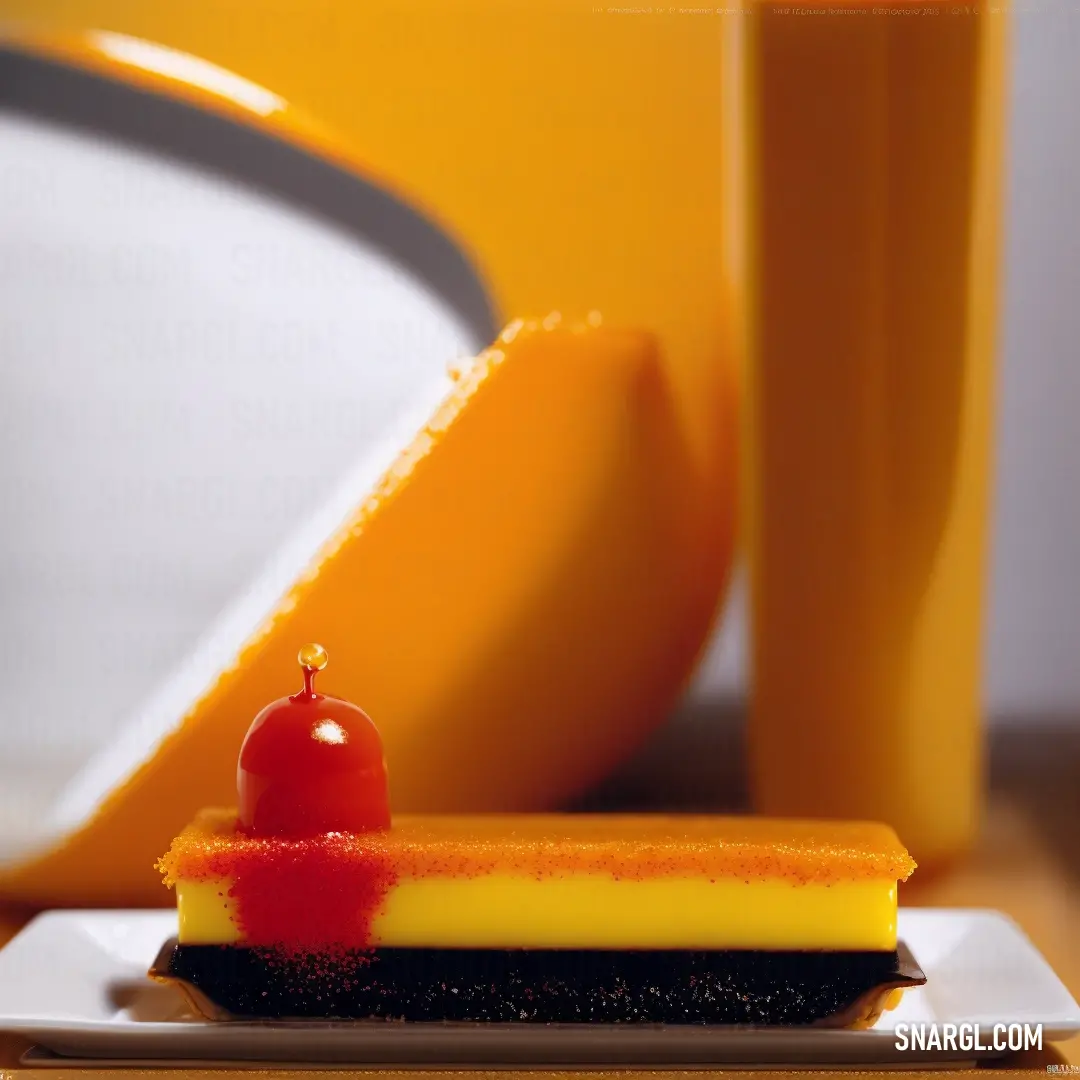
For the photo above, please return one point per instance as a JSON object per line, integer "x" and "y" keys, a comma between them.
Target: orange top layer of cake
{"x": 542, "y": 845}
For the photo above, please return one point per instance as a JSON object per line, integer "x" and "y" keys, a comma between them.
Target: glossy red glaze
{"x": 312, "y": 764}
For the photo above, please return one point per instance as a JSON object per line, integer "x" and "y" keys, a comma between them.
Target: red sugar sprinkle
{"x": 303, "y": 896}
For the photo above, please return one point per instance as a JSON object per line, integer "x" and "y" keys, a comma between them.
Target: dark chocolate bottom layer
{"x": 544, "y": 986}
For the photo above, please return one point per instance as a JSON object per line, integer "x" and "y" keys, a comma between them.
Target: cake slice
{"x": 308, "y": 901}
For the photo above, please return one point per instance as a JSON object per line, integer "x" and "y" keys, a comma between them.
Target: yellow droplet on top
{"x": 312, "y": 657}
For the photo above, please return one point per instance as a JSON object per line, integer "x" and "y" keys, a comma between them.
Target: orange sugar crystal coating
{"x": 542, "y": 845}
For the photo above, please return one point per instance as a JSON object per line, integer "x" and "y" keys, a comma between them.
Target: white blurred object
{"x": 1033, "y": 656}
{"x": 186, "y": 370}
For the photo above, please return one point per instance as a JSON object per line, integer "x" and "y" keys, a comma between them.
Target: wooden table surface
{"x": 1027, "y": 864}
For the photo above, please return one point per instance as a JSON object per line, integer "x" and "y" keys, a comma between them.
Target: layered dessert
{"x": 308, "y": 901}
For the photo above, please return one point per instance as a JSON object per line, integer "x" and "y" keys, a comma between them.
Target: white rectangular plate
{"x": 75, "y": 983}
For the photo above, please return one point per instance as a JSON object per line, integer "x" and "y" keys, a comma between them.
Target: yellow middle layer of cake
{"x": 501, "y": 910}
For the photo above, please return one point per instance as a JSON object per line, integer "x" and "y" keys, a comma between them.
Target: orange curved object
{"x": 570, "y": 184}
{"x": 511, "y": 602}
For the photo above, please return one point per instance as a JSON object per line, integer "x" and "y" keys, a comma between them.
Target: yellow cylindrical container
{"x": 874, "y": 166}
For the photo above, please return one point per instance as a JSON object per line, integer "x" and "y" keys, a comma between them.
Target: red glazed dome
{"x": 312, "y": 764}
